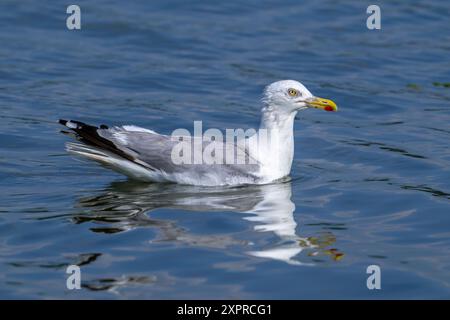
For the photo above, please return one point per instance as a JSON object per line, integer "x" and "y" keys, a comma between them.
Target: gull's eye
{"x": 292, "y": 92}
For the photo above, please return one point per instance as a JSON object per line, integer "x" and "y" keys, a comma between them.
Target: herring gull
{"x": 142, "y": 154}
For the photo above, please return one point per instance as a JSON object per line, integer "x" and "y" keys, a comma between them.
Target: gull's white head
{"x": 289, "y": 96}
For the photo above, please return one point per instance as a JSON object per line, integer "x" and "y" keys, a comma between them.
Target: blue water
{"x": 370, "y": 184}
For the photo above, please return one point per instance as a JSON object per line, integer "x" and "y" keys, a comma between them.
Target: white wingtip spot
{"x": 71, "y": 125}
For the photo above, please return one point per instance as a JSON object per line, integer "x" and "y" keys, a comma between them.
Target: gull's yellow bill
{"x": 321, "y": 103}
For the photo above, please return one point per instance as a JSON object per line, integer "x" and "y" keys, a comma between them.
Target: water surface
{"x": 370, "y": 184}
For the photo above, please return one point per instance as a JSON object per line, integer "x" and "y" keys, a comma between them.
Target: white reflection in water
{"x": 275, "y": 213}
{"x": 269, "y": 208}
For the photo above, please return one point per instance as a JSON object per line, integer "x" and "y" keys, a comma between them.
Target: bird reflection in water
{"x": 128, "y": 205}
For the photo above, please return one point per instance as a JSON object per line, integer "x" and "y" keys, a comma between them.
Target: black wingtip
{"x": 62, "y": 121}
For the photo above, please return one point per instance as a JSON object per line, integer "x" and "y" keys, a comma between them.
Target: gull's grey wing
{"x": 155, "y": 151}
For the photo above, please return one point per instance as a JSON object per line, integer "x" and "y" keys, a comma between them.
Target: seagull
{"x": 144, "y": 155}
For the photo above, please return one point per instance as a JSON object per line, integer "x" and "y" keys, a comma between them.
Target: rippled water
{"x": 370, "y": 184}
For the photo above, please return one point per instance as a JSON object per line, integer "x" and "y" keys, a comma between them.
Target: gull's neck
{"x": 275, "y": 153}
{"x": 273, "y": 119}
